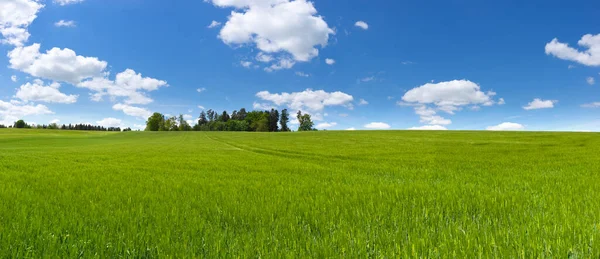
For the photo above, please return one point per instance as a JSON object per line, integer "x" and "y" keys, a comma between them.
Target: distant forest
{"x": 21, "y": 124}
{"x": 210, "y": 120}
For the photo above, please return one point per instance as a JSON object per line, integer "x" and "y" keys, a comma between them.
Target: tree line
{"x": 21, "y": 124}
{"x": 242, "y": 120}
{"x": 210, "y": 120}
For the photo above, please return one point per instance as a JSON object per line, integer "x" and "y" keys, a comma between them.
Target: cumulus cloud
{"x": 127, "y": 84}
{"x": 63, "y": 23}
{"x": 141, "y": 113}
{"x": 15, "y": 110}
{"x": 110, "y": 122}
{"x": 540, "y": 104}
{"x": 590, "y": 80}
{"x": 200, "y": 90}
{"x": 56, "y": 64}
{"x": 15, "y": 18}
{"x": 429, "y": 127}
{"x": 449, "y": 97}
{"x": 362, "y": 25}
{"x": 37, "y": 92}
{"x": 308, "y": 100}
{"x": 67, "y": 2}
{"x": 326, "y": 125}
{"x": 452, "y": 93}
{"x": 362, "y": 102}
{"x": 377, "y": 125}
{"x": 13, "y": 78}
{"x": 351, "y": 129}
{"x": 213, "y": 24}
{"x": 329, "y": 61}
{"x": 56, "y": 121}
{"x": 276, "y": 26}
{"x": 588, "y": 57}
{"x": 506, "y": 126}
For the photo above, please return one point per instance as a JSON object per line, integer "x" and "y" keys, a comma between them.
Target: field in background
{"x": 316, "y": 194}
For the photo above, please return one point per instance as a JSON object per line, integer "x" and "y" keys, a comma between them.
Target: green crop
{"x": 394, "y": 194}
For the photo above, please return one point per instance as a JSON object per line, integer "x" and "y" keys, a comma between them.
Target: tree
{"x": 284, "y": 119}
{"x": 183, "y": 124}
{"x": 20, "y": 124}
{"x": 156, "y": 122}
{"x": 306, "y": 123}
{"x": 224, "y": 117}
{"x": 273, "y": 120}
{"x": 171, "y": 124}
{"x": 202, "y": 120}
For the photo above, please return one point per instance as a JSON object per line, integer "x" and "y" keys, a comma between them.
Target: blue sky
{"x": 473, "y": 65}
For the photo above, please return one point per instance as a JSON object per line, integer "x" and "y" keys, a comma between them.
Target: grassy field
{"x": 297, "y": 195}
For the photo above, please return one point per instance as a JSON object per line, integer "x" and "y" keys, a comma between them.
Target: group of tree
{"x": 242, "y": 120}
{"x": 21, "y": 124}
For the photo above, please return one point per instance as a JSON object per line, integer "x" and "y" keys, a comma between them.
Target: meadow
{"x": 362, "y": 194}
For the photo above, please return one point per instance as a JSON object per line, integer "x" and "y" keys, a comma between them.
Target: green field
{"x": 298, "y": 195}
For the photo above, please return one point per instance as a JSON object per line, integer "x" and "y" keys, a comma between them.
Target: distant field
{"x": 317, "y": 194}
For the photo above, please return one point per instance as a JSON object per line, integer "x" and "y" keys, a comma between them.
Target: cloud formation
{"x": 588, "y": 57}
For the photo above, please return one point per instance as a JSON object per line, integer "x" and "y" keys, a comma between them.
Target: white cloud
{"x": 276, "y": 26}
{"x": 362, "y": 25}
{"x": 67, "y": 2}
{"x": 13, "y": 78}
{"x": 367, "y": 79}
{"x": 501, "y": 101}
{"x": 133, "y": 111}
{"x": 309, "y": 100}
{"x": 451, "y": 93}
{"x": 200, "y": 107}
{"x": 37, "y": 92}
{"x": 302, "y": 74}
{"x": 590, "y": 80}
{"x": 63, "y": 23}
{"x": 377, "y": 125}
{"x": 186, "y": 117}
{"x": 15, "y": 110}
{"x": 15, "y": 17}
{"x": 200, "y": 90}
{"x": 56, "y": 64}
{"x": 57, "y": 121}
{"x": 362, "y": 102}
{"x": 589, "y": 57}
{"x": 507, "y": 126}
{"x": 591, "y": 105}
{"x": 429, "y": 127}
{"x": 329, "y": 61}
{"x": 283, "y": 63}
{"x": 350, "y": 129}
{"x": 265, "y": 58}
{"x": 540, "y": 104}
{"x": 213, "y": 24}
{"x": 326, "y": 125}
{"x": 139, "y": 126}
{"x": 246, "y": 64}
{"x": 449, "y": 97}
{"x": 110, "y": 122}
{"x": 428, "y": 116}
{"x": 127, "y": 84}
{"x": 262, "y": 106}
